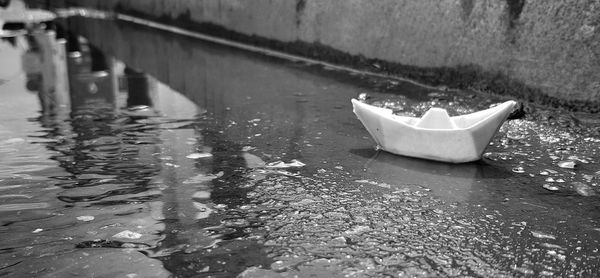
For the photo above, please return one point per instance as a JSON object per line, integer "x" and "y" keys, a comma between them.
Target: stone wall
{"x": 543, "y": 51}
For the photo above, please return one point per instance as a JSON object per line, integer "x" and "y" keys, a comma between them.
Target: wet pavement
{"x": 141, "y": 153}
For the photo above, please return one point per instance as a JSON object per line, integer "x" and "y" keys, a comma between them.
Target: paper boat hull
{"x": 456, "y": 145}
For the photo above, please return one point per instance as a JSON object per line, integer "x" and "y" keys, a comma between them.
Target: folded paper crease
{"x": 436, "y": 135}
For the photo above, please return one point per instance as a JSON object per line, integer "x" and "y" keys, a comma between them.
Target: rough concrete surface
{"x": 544, "y": 51}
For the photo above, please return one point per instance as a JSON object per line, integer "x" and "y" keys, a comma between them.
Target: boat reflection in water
{"x": 453, "y": 182}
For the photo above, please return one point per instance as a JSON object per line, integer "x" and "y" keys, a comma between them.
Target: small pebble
{"x": 85, "y": 218}
{"x": 568, "y": 164}
{"x": 550, "y": 187}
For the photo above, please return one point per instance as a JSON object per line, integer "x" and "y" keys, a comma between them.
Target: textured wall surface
{"x": 543, "y": 50}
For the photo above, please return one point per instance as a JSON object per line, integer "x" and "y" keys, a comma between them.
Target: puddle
{"x": 206, "y": 160}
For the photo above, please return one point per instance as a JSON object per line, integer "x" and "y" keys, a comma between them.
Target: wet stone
{"x": 550, "y": 187}
{"x": 85, "y": 218}
{"x": 337, "y": 242}
{"x": 583, "y": 189}
{"x": 519, "y": 170}
{"x": 363, "y": 96}
{"x": 568, "y": 164}
{"x": 542, "y": 235}
{"x": 128, "y": 235}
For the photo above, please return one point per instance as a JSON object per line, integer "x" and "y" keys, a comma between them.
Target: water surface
{"x": 143, "y": 153}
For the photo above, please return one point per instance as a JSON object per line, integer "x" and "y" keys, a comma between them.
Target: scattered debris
{"x": 200, "y": 178}
{"x": 542, "y": 235}
{"x": 583, "y": 189}
{"x": 568, "y": 164}
{"x": 85, "y": 218}
{"x": 550, "y": 187}
{"x": 199, "y": 155}
{"x": 247, "y": 148}
{"x": 280, "y": 164}
{"x": 128, "y": 235}
{"x": 518, "y": 170}
{"x": 363, "y": 96}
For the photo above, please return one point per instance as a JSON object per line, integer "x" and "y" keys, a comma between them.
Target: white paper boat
{"x": 436, "y": 135}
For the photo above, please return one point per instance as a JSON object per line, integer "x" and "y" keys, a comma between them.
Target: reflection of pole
{"x": 52, "y": 85}
{"x": 62, "y": 83}
{"x": 73, "y": 44}
{"x": 138, "y": 88}
{"x": 91, "y": 76}
{"x": 99, "y": 62}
